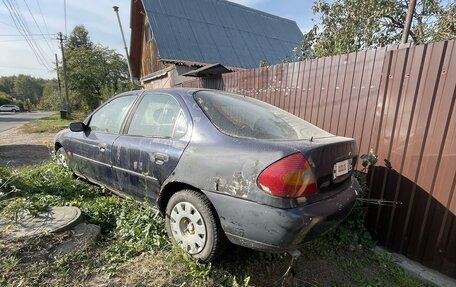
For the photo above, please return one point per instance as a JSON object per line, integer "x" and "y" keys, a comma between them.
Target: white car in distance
{"x": 9, "y": 108}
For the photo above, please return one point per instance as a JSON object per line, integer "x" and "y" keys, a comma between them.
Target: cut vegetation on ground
{"x": 134, "y": 250}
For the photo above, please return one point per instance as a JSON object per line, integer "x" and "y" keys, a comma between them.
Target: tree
{"x": 79, "y": 38}
{"x": 5, "y": 99}
{"x": 346, "y": 26}
{"x": 445, "y": 26}
{"x": 93, "y": 70}
{"x": 51, "y": 100}
{"x": 27, "y": 87}
{"x": 7, "y": 84}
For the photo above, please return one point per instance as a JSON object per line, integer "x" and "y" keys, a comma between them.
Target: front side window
{"x": 109, "y": 118}
{"x": 158, "y": 115}
{"x": 245, "y": 117}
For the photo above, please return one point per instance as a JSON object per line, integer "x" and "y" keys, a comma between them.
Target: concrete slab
{"x": 83, "y": 235}
{"x": 56, "y": 219}
{"x": 420, "y": 271}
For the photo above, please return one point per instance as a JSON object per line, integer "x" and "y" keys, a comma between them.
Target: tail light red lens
{"x": 291, "y": 176}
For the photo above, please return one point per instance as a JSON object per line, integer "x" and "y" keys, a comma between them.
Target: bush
{"x": 5, "y": 99}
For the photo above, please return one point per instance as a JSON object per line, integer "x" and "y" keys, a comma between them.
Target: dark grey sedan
{"x": 220, "y": 167}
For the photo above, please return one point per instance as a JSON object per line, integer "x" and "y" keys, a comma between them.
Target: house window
{"x": 148, "y": 32}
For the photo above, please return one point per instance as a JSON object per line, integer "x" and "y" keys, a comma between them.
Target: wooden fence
{"x": 400, "y": 102}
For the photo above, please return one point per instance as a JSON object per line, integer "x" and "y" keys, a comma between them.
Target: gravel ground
{"x": 18, "y": 148}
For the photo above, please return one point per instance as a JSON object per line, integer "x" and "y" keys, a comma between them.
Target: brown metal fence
{"x": 399, "y": 101}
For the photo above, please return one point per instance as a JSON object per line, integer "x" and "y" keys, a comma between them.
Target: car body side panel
{"x": 219, "y": 163}
{"x": 91, "y": 155}
{"x": 139, "y": 167}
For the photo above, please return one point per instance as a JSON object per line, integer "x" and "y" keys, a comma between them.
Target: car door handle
{"x": 160, "y": 158}
{"x": 102, "y": 147}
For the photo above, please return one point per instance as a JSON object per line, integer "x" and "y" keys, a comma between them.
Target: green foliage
{"x": 445, "y": 26}
{"x": 345, "y": 26}
{"x": 19, "y": 103}
{"x": 369, "y": 159}
{"x": 27, "y": 87}
{"x": 79, "y": 38}
{"x": 264, "y": 63}
{"x": 353, "y": 231}
{"x": 7, "y": 84}
{"x": 52, "y": 100}
{"x": 22, "y": 90}
{"x": 130, "y": 228}
{"x": 95, "y": 73}
{"x": 135, "y": 224}
{"x": 5, "y": 99}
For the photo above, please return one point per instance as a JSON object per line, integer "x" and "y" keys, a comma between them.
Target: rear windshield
{"x": 245, "y": 117}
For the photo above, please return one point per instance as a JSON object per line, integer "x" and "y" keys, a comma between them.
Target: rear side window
{"x": 109, "y": 118}
{"x": 245, "y": 117}
{"x": 158, "y": 115}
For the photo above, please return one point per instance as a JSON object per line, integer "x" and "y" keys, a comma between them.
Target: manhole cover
{"x": 56, "y": 219}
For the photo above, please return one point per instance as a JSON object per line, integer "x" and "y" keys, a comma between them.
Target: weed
{"x": 134, "y": 250}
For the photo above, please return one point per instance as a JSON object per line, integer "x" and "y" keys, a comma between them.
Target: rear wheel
{"x": 14, "y": 110}
{"x": 192, "y": 223}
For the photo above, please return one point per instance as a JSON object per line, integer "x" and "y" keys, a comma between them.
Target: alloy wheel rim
{"x": 188, "y": 227}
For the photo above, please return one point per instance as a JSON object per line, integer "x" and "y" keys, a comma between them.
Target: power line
{"x": 37, "y": 45}
{"x": 42, "y": 17}
{"x": 36, "y": 23}
{"x": 20, "y": 35}
{"x": 23, "y": 68}
{"x": 26, "y": 31}
{"x": 21, "y": 40}
{"x": 15, "y": 22}
{"x": 22, "y": 27}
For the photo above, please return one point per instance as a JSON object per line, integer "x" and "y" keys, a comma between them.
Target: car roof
{"x": 173, "y": 91}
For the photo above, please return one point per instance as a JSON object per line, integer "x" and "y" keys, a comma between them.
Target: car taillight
{"x": 291, "y": 176}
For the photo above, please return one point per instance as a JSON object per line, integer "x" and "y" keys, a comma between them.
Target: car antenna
{"x": 311, "y": 139}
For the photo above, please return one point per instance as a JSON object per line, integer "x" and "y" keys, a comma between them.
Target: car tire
{"x": 61, "y": 158}
{"x": 14, "y": 110}
{"x": 192, "y": 223}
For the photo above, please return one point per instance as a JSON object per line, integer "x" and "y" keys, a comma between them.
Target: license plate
{"x": 342, "y": 167}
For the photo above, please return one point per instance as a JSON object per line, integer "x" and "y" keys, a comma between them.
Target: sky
{"x": 45, "y": 18}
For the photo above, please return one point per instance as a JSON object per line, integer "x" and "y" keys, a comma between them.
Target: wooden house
{"x": 174, "y": 40}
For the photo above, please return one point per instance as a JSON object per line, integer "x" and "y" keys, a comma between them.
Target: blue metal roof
{"x": 218, "y": 31}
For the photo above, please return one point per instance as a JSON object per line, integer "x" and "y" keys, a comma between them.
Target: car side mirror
{"x": 78, "y": 127}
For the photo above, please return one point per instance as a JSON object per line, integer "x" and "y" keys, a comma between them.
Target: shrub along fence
{"x": 398, "y": 100}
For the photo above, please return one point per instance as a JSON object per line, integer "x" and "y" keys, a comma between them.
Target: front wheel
{"x": 192, "y": 223}
{"x": 61, "y": 158}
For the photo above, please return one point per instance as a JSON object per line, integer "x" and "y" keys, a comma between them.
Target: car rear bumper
{"x": 267, "y": 228}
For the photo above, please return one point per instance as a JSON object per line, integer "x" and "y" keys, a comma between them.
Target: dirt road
{"x": 19, "y": 149}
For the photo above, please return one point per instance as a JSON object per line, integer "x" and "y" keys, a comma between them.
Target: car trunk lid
{"x": 332, "y": 160}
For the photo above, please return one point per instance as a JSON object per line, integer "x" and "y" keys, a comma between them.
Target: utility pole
{"x": 116, "y": 9}
{"x": 67, "y": 101}
{"x": 408, "y": 21}
{"x": 58, "y": 77}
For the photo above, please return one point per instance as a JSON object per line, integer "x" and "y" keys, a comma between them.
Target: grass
{"x": 134, "y": 249}
{"x": 50, "y": 124}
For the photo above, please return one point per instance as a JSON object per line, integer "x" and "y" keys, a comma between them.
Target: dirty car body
{"x": 272, "y": 180}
